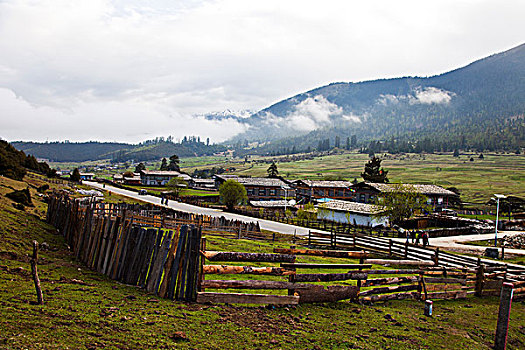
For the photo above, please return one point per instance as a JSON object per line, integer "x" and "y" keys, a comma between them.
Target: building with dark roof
{"x": 159, "y": 177}
{"x": 261, "y": 188}
{"x": 438, "y": 197}
{"x": 314, "y": 189}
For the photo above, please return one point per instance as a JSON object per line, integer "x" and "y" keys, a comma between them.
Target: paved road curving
{"x": 263, "y": 224}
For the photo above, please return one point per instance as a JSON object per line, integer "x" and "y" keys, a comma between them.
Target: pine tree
{"x": 164, "y": 165}
{"x": 272, "y": 170}
{"x": 174, "y": 163}
{"x": 373, "y": 171}
{"x": 140, "y": 167}
{"x": 75, "y": 176}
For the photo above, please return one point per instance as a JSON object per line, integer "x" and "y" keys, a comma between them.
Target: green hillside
{"x": 480, "y": 106}
{"x": 145, "y": 151}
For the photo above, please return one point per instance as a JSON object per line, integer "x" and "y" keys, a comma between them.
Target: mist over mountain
{"x": 486, "y": 96}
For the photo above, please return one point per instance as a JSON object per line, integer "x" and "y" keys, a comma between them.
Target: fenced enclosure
{"x": 167, "y": 256}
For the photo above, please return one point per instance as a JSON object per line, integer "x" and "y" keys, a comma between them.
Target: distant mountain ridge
{"x": 85, "y": 151}
{"x": 484, "y": 93}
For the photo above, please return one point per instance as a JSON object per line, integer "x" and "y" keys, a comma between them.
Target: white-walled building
{"x": 354, "y": 213}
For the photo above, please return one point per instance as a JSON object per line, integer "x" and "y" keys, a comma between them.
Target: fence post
{"x": 354, "y": 239}
{"x": 406, "y": 249}
{"x": 390, "y": 248}
{"x": 34, "y": 272}
{"x": 480, "y": 277}
{"x": 309, "y": 238}
{"x": 436, "y": 257}
{"x": 502, "y": 327}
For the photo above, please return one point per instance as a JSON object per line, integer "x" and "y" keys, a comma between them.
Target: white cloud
{"x": 310, "y": 114}
{"x": 432, "y": 95}
{"x": 426, "y": 95}
{"x": 163, "y": 58}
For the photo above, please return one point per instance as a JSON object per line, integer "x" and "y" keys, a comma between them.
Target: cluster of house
{"x": 343, "y": 201}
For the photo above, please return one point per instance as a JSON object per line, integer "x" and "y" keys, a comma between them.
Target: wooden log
{"x": 132, "y": 267}
{"x": 327, "y": 253}
{"x": 385, "y": 290}
{"x": 145, "y": 256}
{"x": 191, "y": 279}
{"x": 228, "y": 269}
{"x": 175, "y": 283}
{"x": 103, "y": 244}
{"x": 518, "y": 284}
{"x": 253, "y": 284}
{"x": 238, "y": 298}
{"x": 94, "y": 243}
{"x": 447, "y": 295}
{"x": 156, "y": 270}
{"x": 393, "y": 272}
{"x": 248, "y": 257}
{"x": 480, "y": 279}
{"x": 490, "y": 293}
{"x": 127, "y": 257}
{"x": 519, "y": 290}
{"x": 202, "y": 261}
{"x": 325, "y": 266}
{"x": 386, "y": 297}
{"x": 112, "y": 238}
{"x": 494, "y": 275}
{"x": 326, "y": 277}
{"x": 389, "y": 280}
{"x": 168, "y": 265}
{"x": 121, "y": 244}
{"x": 320, "y": 294}
{"x": 446, "y": 287}
{"x": 34, "y": 273}
{"x": 445, "y": 280}
{"x": 398, "y": 262}
{"x": 183, "y": 271}
{"x": 452, "y": 274}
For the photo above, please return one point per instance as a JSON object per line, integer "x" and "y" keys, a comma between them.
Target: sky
{"x": 131, "y": 70}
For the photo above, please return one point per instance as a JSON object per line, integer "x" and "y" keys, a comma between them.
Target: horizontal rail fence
{"x": 422, "y": 282}
{"x": 300, "y": 287}
{"x": 408, "y": 251}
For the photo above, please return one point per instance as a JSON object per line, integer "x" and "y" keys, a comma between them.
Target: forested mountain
{"x": 13, "y": 163}
{"x": 148, "y": 150}
{"x": 479, "y": 106}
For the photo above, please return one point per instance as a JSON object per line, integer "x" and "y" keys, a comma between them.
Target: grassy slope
{"x": 86, "y": 310}
{"x": 477, "y": 180}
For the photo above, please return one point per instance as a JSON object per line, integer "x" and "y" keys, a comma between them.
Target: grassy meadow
{"x": 86, "y": 310}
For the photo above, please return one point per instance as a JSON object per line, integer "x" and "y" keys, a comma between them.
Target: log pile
{"x": 515, "y": 242}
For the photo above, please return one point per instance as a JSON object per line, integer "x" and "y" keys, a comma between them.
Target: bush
{"x": 232, "y": 193}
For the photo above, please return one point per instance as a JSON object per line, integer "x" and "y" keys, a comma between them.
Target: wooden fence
{"x": 411, "y": 252}
{"x": 171, "y": 262}
{"x": 422, "y": 282}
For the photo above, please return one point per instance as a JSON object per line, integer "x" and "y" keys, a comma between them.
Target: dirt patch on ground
{"x": 258, "y": 319}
